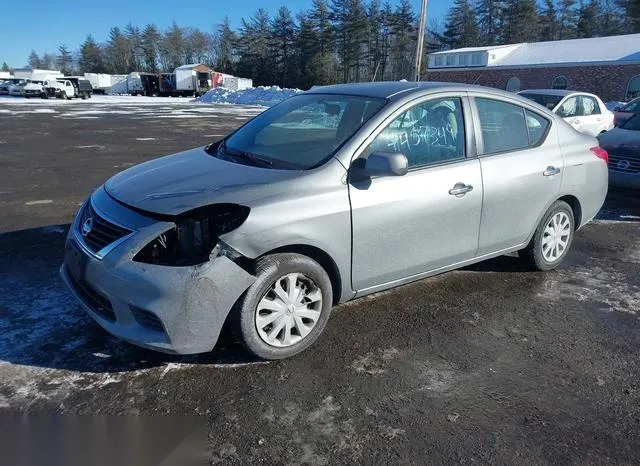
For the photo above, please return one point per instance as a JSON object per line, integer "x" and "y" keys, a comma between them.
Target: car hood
{"x": 620, "y": 138}
{"x": 178, "y": 183}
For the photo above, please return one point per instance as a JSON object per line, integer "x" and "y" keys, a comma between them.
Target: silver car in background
{"x": 333, "y": 194}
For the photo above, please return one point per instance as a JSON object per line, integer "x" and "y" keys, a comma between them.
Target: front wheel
{"x": 552, "y": 240}
{"x": 286, "y": 308}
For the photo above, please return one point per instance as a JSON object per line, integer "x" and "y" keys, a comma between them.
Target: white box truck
{"x": 100, "y": 82}
{"x": 193, "y": 79}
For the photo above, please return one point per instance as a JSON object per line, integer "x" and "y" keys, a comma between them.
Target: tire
{"x": 83, "y": 96}
{"x": 26, "y": 96}
{"x": 64, "y": 96}
{"x": 535, "y": 255}
{"x": 310, "y": 279}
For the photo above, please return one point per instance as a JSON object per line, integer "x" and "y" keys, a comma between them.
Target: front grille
{"x": 99, "y": 303}
{"x": 624, "y": 161}
{"x": 101, "y": 233}
{"x": 147, "y": 319}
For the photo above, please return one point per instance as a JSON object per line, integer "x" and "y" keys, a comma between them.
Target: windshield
{"x": 632, "y": 123}
{"x": 303, "y": 131}
{"x": 546, "y": 100}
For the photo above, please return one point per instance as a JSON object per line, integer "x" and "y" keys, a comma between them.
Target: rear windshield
{"x": 304, "y": 131}
{"x": 546, "y": 100}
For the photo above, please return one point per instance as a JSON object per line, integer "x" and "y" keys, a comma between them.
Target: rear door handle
{"x": 460, "y": 189}
{"x": 550, "y": 171}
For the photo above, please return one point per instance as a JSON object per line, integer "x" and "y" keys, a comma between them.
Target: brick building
{"x": 606, "y": 66}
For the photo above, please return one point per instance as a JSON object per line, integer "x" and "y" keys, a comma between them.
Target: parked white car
{"x": 584, "y": 111}
{"x": 16, "y": 89}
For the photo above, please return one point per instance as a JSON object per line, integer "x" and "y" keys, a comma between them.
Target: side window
{"x": 589, "y": 105}
{"x": 569, "y": 108}
{"x": 503, "y": 125}
{"x": 537, "y": 127}
{"x": 428, "y": 133}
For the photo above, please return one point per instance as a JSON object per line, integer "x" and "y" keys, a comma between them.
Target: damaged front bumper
{"x": 178, "y": 310}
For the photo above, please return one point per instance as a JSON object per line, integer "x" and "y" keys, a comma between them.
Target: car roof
{"x": 557, "y": 92}
{"x": 397, "y": 89}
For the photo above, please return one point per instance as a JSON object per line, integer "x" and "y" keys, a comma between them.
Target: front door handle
{"x": 550, "y": 171}
{"x": 576, "y": 122}
{"x": 460, "y": 189}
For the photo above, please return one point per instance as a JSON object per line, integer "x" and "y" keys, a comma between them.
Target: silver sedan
{"x": 331, "y": 195}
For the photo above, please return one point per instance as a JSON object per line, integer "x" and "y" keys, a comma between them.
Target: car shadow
{"x": 511, "y": 263}
{"x": 42, "y": 325}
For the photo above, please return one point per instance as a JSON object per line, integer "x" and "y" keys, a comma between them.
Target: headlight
{"x": 194, "y": 239}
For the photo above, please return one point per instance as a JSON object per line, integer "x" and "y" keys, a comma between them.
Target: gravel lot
{"x": 488, "y": 364}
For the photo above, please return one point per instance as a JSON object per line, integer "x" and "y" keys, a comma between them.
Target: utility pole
{"x": 420, "y": 43}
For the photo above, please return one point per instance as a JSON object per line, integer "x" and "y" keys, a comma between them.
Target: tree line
{"x": 337, "y": 41}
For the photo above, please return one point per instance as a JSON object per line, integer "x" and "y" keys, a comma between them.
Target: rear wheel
{"x": 286, "y": 308}
{"x": 552, "y": 240}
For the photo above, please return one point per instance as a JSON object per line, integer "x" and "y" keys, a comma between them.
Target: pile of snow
{"x": 264, "y": 96}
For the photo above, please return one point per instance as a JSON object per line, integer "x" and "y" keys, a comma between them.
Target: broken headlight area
{"x": 195, "y": 237}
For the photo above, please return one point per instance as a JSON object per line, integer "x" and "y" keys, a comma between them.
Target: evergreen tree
{"x": 134, "y": 42}
{"x": 118, "y": 52}
{"x": 283, "y": 39}
{"x": 488, "y": 12}
{"x": 5, "y": 67}
{"x": 404, "y": 41}
{"x": 255, "y": 57}
{"x": 149, "y": 45}
{"x": 549, "y": 25}
{"x": 172, "y": 48}
{"x": 91, "y": 56}
{"x": 520, "y": 21}
{"x": 567, "y": 19}
{"x": 65, "y": 60}
{"x": 588, "y": 16}
{"x": 34, "y": 60}
{"x": 224, "y": 41}
{"x": 461, "y": 28}
{"x": 350, "y": 25}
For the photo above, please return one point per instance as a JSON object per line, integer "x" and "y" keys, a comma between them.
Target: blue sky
{"x": 42, "y": 25}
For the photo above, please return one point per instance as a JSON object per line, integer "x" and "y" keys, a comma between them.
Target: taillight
{"x": 601, "y": 154}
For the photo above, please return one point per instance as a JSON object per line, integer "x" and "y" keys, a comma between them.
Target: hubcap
{"x": 289, "y": 310}
{"x": 556, "y": 237}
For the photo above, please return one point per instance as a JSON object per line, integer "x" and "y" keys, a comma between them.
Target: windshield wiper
{"x": 250, "y": 156}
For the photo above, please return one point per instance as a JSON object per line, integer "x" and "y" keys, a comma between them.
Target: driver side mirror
{"x": 382, "y": 164}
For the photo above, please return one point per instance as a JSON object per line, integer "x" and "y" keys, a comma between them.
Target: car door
{"x": 429, "y": 218}
{"x": 569, "y": 110}
{"x": 521, "y": 167}
{"x": 591, "y": 115}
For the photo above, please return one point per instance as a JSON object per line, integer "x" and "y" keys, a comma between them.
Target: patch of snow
{"x": 145, "y": 139}
{"x": 263, "y": 96}
{"x": 39, "y": 202}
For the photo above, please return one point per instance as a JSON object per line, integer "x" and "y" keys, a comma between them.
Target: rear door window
{"x": 503, "y": 125}
{"x": 589, "y": 106}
